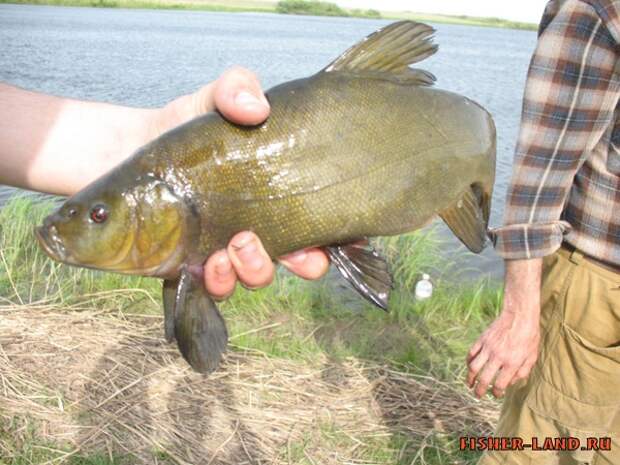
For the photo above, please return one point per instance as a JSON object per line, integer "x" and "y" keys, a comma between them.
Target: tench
{"x": 365, "y": 147}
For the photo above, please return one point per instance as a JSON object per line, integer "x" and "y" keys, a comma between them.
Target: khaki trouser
{"x": 574, "y": 388}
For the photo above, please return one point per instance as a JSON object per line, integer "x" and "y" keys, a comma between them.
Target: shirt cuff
{"x": 525, "y": 241}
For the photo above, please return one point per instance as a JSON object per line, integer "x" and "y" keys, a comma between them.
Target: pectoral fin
{"x": 468, "y": 219}
{"x": 198, "y": 327}
{"x": 365, "y": 269}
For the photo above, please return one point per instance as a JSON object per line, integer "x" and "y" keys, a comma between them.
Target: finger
{"x": 308, "y": 263}
{"x": 219, "y": 275}
{"x": 485, "y": 378}
{"x": 523, "y": 372}
{"x": 239, "y": 97}
{"x": 503, "y": 381}
{"x": 250, "y": 261}
{"x": 202, "y": 101}
{"x": 474, "y": 350}
{"x": 475, "y": 365}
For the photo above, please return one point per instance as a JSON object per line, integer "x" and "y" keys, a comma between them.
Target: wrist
{"x": 522, "y": 288}
{"x": 523, "y": 313}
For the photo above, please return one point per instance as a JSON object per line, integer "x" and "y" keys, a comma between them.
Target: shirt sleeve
{"x": 569, "y": 101}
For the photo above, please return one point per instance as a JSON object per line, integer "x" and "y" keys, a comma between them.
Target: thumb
{"x": 239, "y": 97}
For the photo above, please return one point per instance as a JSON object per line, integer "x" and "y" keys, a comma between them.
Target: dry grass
{"x": 101, "y": 382}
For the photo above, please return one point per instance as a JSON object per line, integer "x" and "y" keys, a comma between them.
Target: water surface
{"x": 148, "y": 57}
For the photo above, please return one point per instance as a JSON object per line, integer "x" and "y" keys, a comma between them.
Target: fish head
{"x": 137, "y": 230}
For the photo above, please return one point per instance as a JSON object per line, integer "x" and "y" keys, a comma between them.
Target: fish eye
{"x": 72, "y": 212}
{"x": 99, "y": 213}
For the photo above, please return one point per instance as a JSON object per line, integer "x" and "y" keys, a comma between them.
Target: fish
{"x": 366, "y": 147}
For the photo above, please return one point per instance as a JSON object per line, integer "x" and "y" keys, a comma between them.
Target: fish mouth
{"x": 51, "y": 243}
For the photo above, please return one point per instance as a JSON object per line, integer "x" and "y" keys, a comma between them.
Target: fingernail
{"x": 296, "y": 258}
{"x": 246, "y": 250}
{"x": 244, "y": 99}
{"x": 223, "y": 267}
{"x": 242, "y": 239}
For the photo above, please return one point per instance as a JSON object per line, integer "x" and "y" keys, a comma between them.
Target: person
{"x": 555, "y": 346}
{"x": 59, "y": 145}
{"x": 561, "y": 226}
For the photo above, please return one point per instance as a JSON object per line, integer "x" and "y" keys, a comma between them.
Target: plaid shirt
{"x": 566, "y": 179}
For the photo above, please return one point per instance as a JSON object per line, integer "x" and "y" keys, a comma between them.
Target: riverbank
{"x": 461, "y": 20}
{"x": 266, "y": 6}
{"x": 314, "y": 374}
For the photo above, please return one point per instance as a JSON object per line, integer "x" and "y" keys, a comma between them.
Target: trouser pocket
{"x": 579, "y": 371}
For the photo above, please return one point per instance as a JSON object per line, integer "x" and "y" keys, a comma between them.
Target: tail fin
{"x": 199, "y": 328}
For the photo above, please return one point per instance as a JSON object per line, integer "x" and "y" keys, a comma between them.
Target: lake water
{"x": 148, "y": 57}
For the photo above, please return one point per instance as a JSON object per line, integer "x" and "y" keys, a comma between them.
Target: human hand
{"x": 237, "y": 94}
{"x": 508, "y": 349}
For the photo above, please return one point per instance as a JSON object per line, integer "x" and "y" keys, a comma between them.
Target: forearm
{"x": 59, "y": 145}
{"x": 522, "y": 288}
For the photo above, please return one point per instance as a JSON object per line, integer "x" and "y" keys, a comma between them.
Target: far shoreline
{"x": 266, "y": 6}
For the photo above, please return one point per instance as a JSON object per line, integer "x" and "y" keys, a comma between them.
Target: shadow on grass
{"x": 201, "y": 420}
{"x": 126, "y": 403}
{"x": 130, "y": 397}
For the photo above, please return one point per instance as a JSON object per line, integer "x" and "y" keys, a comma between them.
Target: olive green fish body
{"x": 366, "y": 147}
{"x": 340, "y": 158}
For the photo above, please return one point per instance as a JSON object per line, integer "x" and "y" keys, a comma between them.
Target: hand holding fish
{"x": 237, "y": 94}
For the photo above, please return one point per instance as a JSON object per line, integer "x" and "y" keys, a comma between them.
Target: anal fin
{"x": 365, "y": 270}
{"x": 468, "y": 219}
{"x": 199, "y": 329}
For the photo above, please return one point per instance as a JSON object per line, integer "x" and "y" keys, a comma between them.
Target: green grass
{"x": 292, "y": 319}
{"x": 306, "y": 7}
{"x": 22, "y": 446}
{"x": 461, "y": 19}
{"x": 317, "y": 8}
{"x": 438, "y": 448}
{"x": 234, "y": 6}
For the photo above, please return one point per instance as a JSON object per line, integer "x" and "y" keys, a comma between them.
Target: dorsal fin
{"x": 388, "y": 52}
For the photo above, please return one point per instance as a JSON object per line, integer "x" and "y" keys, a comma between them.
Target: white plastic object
{"x": 424, "y": 288}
